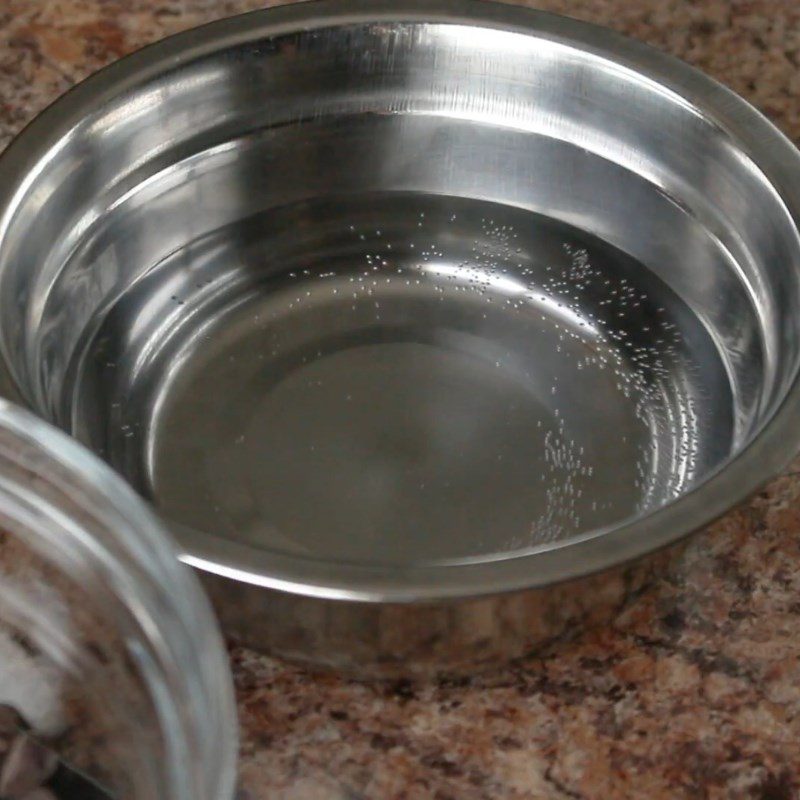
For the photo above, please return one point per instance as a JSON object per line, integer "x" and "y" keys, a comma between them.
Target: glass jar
{"x": 108, "y": 646}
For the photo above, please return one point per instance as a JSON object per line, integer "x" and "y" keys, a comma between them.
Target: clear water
{"x": 403, "y": 378}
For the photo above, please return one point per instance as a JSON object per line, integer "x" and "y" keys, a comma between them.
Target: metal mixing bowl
{"x": 409, "y": 316}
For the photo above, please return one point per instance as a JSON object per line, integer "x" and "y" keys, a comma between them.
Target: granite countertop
{"x": 692, "y": 692}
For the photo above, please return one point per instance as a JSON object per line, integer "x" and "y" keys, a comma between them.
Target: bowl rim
{"x": 767, "y": 452}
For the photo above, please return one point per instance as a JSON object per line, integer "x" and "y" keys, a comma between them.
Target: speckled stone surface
{"x": 693, "y": 692}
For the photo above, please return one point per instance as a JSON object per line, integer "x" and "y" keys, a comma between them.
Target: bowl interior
{"x": 396, "y": 293}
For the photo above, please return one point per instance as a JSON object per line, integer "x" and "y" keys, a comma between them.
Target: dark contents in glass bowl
{"x": 30, "y": 770}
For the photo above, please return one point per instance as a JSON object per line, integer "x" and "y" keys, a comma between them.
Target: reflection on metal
{"x": 382, "y": 304}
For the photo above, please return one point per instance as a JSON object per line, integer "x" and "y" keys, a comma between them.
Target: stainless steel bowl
{"x": 410, "y": 316}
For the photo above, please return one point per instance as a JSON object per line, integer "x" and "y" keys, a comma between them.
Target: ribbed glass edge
{"x": 166, "y": 613}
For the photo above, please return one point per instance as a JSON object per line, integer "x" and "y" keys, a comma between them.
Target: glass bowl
{"x": 108, "y": 647}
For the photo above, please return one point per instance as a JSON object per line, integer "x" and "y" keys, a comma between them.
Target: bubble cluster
{"x": 622, "y": 332}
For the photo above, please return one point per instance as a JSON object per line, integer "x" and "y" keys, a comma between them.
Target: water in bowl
{"x": 401, "y": 378}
